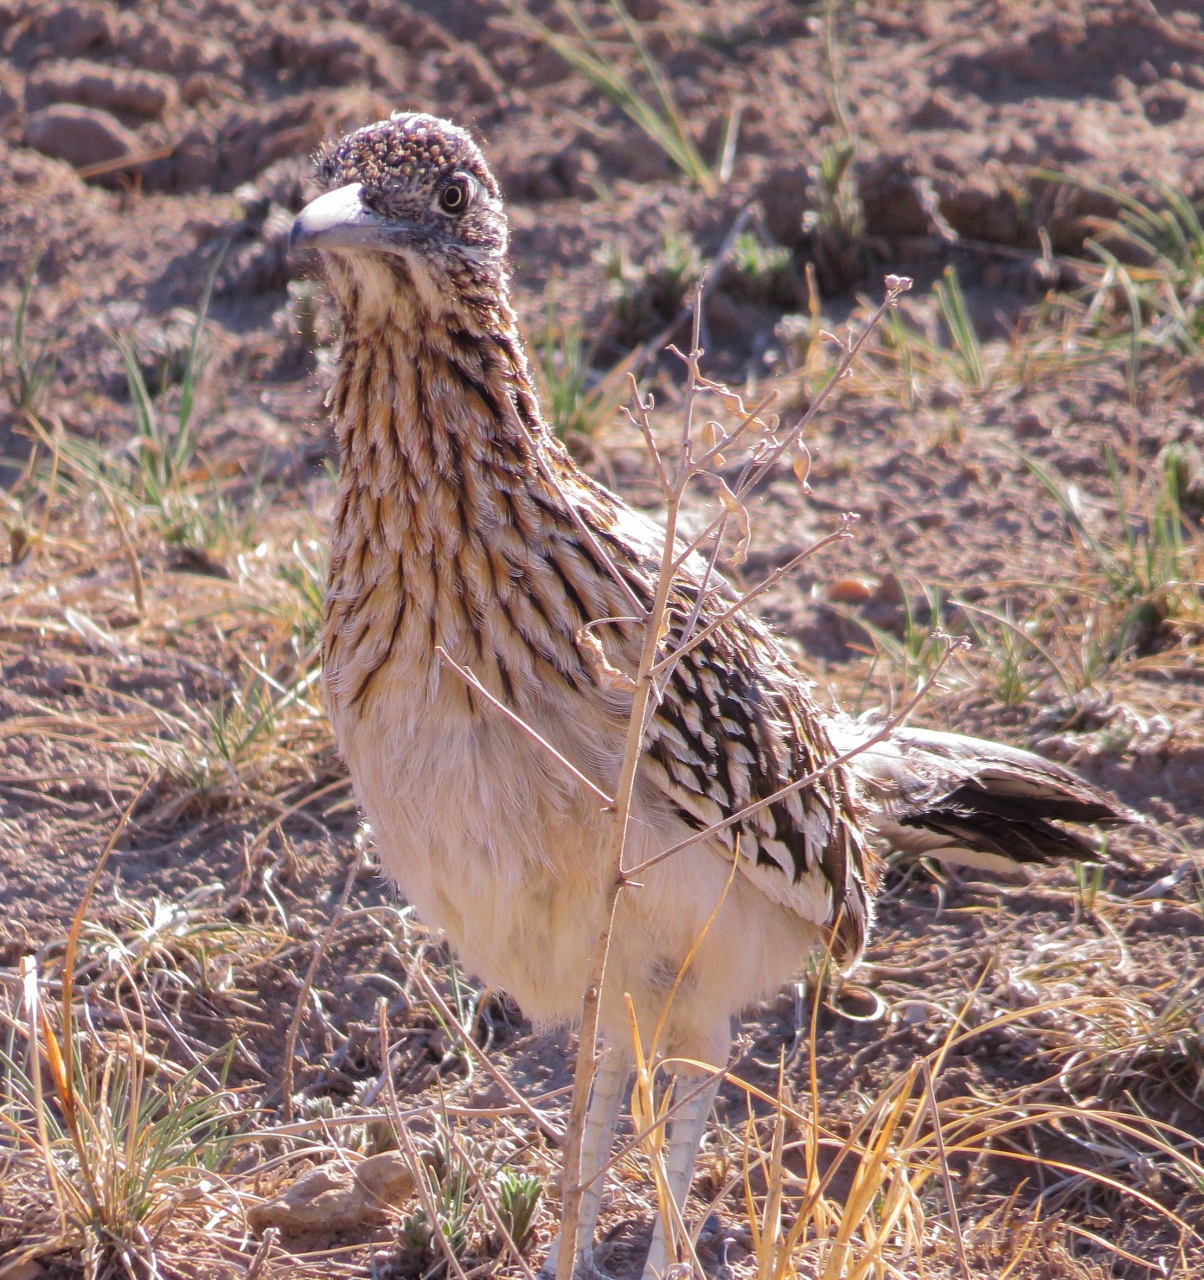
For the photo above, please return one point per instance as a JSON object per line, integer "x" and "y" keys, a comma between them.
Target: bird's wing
{"x": 735, "y": 726}
{"x": 736, "y": 723}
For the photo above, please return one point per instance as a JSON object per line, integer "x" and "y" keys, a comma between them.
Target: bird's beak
{"x": 339, "y": 220}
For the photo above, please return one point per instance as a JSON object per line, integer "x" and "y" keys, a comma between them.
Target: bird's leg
{"x": 600, "y": 1120}
{"x": 685, "y": 1136}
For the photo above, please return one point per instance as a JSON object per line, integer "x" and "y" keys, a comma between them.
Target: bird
{"x": 463, "y": 532}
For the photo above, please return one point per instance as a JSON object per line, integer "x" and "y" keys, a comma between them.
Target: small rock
{"x": 80, "y": 135}
{"x": 137, "y": 93}
{"x": 852, "y": 590}
{"x": 385, "y": 1178}
{"x": 27, "y": 1270}
{"x": 319, "y": 1200}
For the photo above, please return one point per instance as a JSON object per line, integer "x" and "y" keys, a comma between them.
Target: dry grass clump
{"x": 234, "y": 608}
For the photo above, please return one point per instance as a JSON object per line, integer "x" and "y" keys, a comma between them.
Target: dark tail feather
{"x": 976, "y": 803}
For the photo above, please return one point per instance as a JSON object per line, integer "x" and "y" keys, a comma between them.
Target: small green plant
{"x": 304, "y": 605}
{"x": 578, "y": 400}
{"x": 1165, "y": 291}
{"x": 657, "y": 114}
{"x": 644, "y": 298}
{"x": 164, "y": 450}
{"x": 518, "y": 1196}
{"x": 956, "y": 357}
{"x": 760, "y": 273}
{"x": 836, "y": 220}
{"x": 963, "y": 336}
{"x": 448, "y": 1179}
{"x": 1088, "y": 882}
{"x": 1184, "y": 469}
{"x": 27, "y": 370}
{"x": 159, "y": 474}
{"x": 223, "y": 748}
{"x": 1010, "y": 647}
{"x": 1147, "y": 574}
{"x": 564, "y": 368}
{"x": 119, "y": 1135}
{"x": 918, "y": 652}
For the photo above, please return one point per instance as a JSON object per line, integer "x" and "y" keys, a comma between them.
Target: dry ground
{"x": 1022, "y": 445}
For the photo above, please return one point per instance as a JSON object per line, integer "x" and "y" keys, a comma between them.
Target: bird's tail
{"x": 975, "y": 803}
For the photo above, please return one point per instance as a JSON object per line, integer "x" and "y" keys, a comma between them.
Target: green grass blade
{"x": 184, "y": 444}
{"x": 1105, "y": 561}
{"x": 660, "y": 120}
{"x": 962, "y": 333}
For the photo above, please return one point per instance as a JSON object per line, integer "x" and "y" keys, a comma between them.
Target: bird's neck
{"x": 444, "y": 512}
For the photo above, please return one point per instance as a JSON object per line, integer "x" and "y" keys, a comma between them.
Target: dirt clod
{"x": 80, "y": 135}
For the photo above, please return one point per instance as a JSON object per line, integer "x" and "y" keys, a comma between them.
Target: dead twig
{"x": 545, "y": 1125}
{"x": 470, "y": 679}
{"x": 290, "y": 1043}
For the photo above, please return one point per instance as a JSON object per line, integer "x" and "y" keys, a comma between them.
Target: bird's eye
{"x": 454, "y": 197}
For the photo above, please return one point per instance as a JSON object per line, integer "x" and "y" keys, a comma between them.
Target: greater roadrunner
{"x": 462, "y": 523}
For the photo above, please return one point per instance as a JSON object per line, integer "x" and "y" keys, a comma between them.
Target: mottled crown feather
{"x": 408, "y": 152}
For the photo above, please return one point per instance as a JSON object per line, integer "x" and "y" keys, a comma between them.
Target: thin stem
{"x": 612, "y": 873}
{"x": 411, "y": 1155}
{"x": 470, "y": 679}
{"x": 290, "y": 1044}
{"x": 946, "y": 1180}
{"x": 670, "y": 659}
{"x": 613, "y": 876}
{"x": 888, "y": 727}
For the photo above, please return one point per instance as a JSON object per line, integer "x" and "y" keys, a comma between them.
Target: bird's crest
{"x": 407, "y": 152}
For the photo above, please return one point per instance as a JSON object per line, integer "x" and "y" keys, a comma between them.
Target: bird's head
{"x": 411, "y": 212}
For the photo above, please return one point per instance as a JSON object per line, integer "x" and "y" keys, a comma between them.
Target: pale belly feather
{"x": 497, "y": 846}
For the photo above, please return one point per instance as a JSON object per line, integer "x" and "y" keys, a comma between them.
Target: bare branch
{"x": 765, "y": 452}
{"x": 417, "y": 1172}
{"x": 896, "y": 286}
{"x": 887, "y": 728}
{"x": 846, "y": 521}
{"x": 749, "y": 418}
{"x": 640, "y": 419}
{"x": 612, "y": 871}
